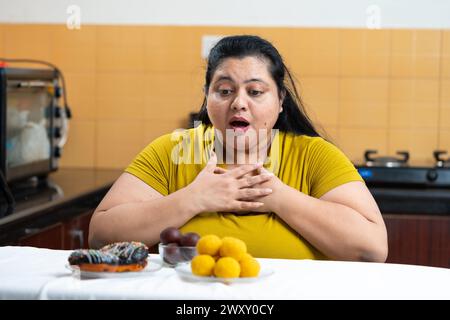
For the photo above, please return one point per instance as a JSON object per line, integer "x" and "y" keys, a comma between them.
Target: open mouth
{"x": 239, "y": 124}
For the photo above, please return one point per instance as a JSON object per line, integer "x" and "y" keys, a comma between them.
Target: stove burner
{"x": 389, "y": 162}
{"x": 395, "y": 172}
{"x": 440, "y": 162}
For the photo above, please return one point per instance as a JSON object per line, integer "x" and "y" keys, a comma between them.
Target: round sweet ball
{"x": 249, "y": 266}
{"x": 233, "y": 247}
{"x": 209, "y": 244}
{"x": 227, "y": 267}
{"x": 203, "y": 265}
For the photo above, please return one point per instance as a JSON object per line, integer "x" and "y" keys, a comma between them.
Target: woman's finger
{"x": 250, "y": 193}
{"x": 250, "y": 181}
{"x": 220, "y": 170}
{"x": 264, "y": 170}
{"x": 212, "y": 163}
{"x": 247, "y": 205}
{"x": 245, "y": 169}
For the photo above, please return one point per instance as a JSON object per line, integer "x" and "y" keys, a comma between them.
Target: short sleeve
{"x": 328, "y": 168}
{"x": 152, "y": 165}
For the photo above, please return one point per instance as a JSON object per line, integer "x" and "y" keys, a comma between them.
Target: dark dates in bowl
{"x": 172, "y": 254}
{"x": 176, "y": 248}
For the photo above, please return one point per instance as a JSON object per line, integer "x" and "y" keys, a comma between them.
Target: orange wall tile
{"x": 118, "y": 142}
{"x": 381, "y": 89}
{"x": 414, "y": 102}
{"x": 81, "y": 95}
{"x": 26, "y": 41}
{"x": 420, "y": 142}
{"x": 354, "y": 141}
{"x": 1, "y": 41}
{"x": 445, "y": 54}
{"x": 364, "y": 52}
{"x": 79, "y": 150}
{"x": 320, "y": 96}
{"x": 73, "y": 50}
{"x": 313, "y": 52}
{"x": 444, "y": 116}
{"x": 154, "y": 128}
{"x": 444, "y": 140}
{"x": 415, "y": 53}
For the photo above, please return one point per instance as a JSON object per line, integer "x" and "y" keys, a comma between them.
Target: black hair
{"x": 293, "y": 118}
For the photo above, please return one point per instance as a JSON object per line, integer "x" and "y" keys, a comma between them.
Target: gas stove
{"x": 400, "y": 187}
{"x": 396, "y": 171}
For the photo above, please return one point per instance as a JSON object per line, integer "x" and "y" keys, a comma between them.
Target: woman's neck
{"x": 235, "y": 158}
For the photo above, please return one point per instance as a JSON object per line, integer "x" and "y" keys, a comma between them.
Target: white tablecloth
{"x": 32, "y": 273}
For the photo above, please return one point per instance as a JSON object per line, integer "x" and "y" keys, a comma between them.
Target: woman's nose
{"x": 239, "y": 103}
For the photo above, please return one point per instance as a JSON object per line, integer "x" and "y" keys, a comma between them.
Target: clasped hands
{"x": 246, "y": 188}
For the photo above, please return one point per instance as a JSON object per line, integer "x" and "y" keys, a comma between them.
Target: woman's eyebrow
{"x": 224, "y": 78}
{"x": 255, "y": 79}
{"x": 227, "y": 78}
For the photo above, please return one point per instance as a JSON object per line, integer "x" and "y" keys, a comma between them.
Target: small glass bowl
{"x": 174, "y": 255}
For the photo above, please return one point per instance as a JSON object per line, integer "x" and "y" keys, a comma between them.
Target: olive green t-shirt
{"x": 309, "y": 164}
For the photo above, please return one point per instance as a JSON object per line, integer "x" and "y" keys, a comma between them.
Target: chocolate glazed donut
{"x": 115, "y": 257}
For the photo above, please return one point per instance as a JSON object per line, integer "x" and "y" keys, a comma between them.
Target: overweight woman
{"x": 254, "y": 168}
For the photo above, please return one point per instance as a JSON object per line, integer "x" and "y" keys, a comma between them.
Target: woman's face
{"x": 243, "y": 100}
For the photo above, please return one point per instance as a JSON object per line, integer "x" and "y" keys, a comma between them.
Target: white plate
{"x": 184, "y": 271}
{"x": 153, "y": 264}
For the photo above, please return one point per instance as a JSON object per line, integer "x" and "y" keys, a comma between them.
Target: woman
{"x": 305, "y": 201}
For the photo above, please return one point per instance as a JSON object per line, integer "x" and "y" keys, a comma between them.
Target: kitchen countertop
{"x": 67, "y": 189}
{"x": 32, "y": 273}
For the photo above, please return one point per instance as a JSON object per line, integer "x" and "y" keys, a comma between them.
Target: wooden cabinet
{"x": 76, "y": 232}
{"x": 70, "y": 234}
{"x": 49, "y": 237}
{"x": 418, "y": 239}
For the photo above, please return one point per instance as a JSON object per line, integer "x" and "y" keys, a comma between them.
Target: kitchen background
{"x": 134, "y": 73}
{"x": 373, "y": 75}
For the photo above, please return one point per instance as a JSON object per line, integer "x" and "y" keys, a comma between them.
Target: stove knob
{"x": 432, "y": 175}
{"x": 57, "y": 91}
{"x": 57, "y": 112}
{"x": 57, "y": 133}
{"x": 57, "y": 152}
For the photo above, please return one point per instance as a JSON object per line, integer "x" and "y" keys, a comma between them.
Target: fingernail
{"x": 268, "y": 190}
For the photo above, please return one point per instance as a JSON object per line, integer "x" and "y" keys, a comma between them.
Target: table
{"x": 33, "y": 273}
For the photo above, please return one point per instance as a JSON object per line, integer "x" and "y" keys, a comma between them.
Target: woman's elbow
{"x": 383, "y": 252}
{"x": 378, "y": 252}
{"x": 95, "y": 241}
{"x": 376, "y": 245}
{"x": 376, "y": 255}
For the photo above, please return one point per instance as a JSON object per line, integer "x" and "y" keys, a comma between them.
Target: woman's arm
{"x": 344, "y": 224}
{"x": 132, "y": 210}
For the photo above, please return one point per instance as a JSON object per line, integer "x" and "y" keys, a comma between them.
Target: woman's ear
{"x": 282, "y": 96}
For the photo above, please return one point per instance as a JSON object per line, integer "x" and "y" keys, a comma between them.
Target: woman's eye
{"x": 255, "y": 93}
{"x": 225, "y": 92}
